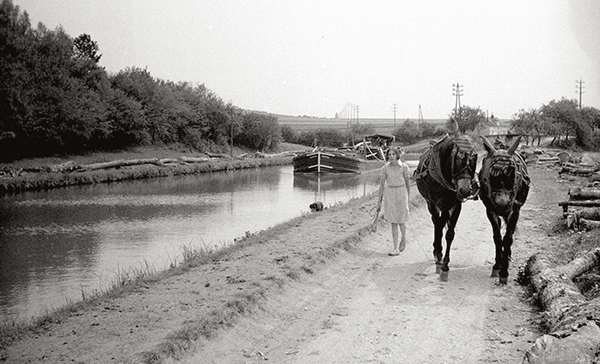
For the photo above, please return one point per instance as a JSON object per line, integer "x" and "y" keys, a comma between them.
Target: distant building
{"x": 491, "y": 127}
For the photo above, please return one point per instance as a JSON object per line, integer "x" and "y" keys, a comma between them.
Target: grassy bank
{"x": 42, "y": 173}
{"x": 48, "y": 180}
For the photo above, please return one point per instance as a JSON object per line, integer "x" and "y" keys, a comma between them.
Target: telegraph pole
{"x": 457, "y": 91}
{"x": 357, "y": 115}
{"x": 580, "y": 87}
{"x": 394, "y": 108}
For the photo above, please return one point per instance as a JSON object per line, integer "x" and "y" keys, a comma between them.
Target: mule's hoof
{"x": 503, "y": 281}
{"x": 438, "y": 268}
{"x": 495, "y": 273}
{"x": 444, "y": 276}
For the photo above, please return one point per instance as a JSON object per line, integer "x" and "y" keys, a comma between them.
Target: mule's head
{"x": 459, "y": 162}
{"x": 499, "y": 173}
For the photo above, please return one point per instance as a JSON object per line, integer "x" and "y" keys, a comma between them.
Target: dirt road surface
{"x": 368, "y": 307}
{"x": 321, "y": 300}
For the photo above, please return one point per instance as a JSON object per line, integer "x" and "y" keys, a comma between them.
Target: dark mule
{"x": 504, "y": 188}
{"x": 445, "y": 178}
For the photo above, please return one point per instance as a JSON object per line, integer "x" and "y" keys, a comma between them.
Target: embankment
{"x": 21, "y": 181}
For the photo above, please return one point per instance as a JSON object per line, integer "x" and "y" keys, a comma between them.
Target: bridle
{"x": 467, "y": 169}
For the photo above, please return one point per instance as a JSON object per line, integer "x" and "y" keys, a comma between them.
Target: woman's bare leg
{"x": 403, "y": 241}
{"x": 395, "y": 236}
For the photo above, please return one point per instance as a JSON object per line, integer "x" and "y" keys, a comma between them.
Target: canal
{"x": 58, "y": 245}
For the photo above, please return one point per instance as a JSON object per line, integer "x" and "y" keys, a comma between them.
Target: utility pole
{"x": 420, "y": 116}
{"x": 457, "y": 91}
{"x": 357, "y": 115}
{"x": 394, "y": 108}
{"x": 580, "y": 87}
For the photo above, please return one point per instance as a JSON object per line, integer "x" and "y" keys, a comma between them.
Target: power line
{"x": 579, "y": 85}
{"x": 457, "y": 89}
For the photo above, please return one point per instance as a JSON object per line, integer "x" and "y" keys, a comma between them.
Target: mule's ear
{"x": 488, "y": 146}
{"x": 452, "y": 127}
{"x": 513, "y": 147}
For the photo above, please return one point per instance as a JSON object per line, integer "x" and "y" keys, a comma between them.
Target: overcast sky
{"x": 298, "y": 57}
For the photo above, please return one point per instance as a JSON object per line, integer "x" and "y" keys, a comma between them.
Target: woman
{"x": 395, "y": 190}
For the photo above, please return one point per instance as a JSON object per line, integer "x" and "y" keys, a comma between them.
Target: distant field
{"x": 383, "y": 126}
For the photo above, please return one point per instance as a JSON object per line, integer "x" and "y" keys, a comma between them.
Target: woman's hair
{"x": 396, "y": 150}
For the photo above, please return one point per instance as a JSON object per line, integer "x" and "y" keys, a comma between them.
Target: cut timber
{"x": 580, "y": 193}
{"x": 548, "y": 159}
{"x": 555, "y": 289}
{"x": 581, "y": 203}
{"x": 575, "y": 337}
{"x": 577, "y": 170}
{"x": 194, "y": 159}
{"x": 581, "y": 347}
{"x": 588, "y": 224}
{"x": 118, "y": 164}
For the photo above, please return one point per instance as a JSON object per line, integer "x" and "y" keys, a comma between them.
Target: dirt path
{"x": 324, "y": 303}
{"x": 368, "y": 307}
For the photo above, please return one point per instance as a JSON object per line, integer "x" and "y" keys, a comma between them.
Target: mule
{"x": 504, "y": 189}
{"x": 445, "y": 177}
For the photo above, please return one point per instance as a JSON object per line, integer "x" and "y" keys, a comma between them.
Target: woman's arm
{"x": 381, "y": 188}
{"x": 407, "y": 180}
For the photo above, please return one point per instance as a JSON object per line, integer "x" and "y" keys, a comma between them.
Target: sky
{"x": 321, "y": 58}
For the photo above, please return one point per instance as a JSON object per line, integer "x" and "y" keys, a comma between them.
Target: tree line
{"x": 567, "y": 122}
{"x": 56, "y": 99}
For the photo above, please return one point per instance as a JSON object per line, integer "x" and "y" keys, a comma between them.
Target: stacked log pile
{"x": 582, "y": 209}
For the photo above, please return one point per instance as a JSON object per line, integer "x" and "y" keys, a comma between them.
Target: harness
{"x": 502, "y": 161}
{"x": 430, "y": 163}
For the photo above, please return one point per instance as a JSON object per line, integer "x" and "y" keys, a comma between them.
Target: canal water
{"x": 57, "y": 245}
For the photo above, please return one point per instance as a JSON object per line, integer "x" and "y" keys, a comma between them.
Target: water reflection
{"x": 56, "y": 244}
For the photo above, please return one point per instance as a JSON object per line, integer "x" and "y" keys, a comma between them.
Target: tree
{"x": 530, "y": 124}
{"x": 358, "y": 131}
{"x": 259, "y": 131}
{"x": 467, "y": 118}
{"x": 288, "y": 134}
{"x": 85, "y": 48}
{"x": 408, "y": 133}
{"x": 565, "y": 118}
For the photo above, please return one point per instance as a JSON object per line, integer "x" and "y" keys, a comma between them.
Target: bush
{"x": 322, "y": 137}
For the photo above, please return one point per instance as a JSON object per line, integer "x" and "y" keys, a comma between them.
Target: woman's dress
{"x": 395, "y": 195}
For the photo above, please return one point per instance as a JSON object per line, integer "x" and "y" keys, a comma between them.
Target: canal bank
{"x": 15, "y": 181}
{"x": 160, "y": 315}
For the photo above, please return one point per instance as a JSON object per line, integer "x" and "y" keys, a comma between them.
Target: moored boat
{"x": 324, "y": 161}
{"x": 365, "y": 156}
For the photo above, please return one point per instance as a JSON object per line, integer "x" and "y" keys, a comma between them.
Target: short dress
{"x": 395, "y": 195}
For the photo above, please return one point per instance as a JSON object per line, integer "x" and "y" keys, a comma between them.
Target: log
{"x": 581, "y": 347}
{"x": 575, "y": 337}
{"x": 581, "y": 203}
{"x": 594, "y": 177}
{"x": 582, "y": 193}
{"x": 548, "y": 159}
{"x": 117, "y": 164}
{"x": 588, "y": 213}
{"x": 586, "y": 224}
{"x": 580, "y": 265}
{"x": 556, "y": 291}
{"x": 218, "y": 155}
{"x": 194, "y": 159}
{"x": 578, "y": 170}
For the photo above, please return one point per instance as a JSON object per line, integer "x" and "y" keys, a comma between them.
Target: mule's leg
{"x": 511, "y": 225}
{"x": 438, "y": 230}
{"x": 497, "y": 233}
{"x": 453, "y": 215}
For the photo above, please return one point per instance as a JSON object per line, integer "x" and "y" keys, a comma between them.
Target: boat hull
{"x": 332, "y": 162}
